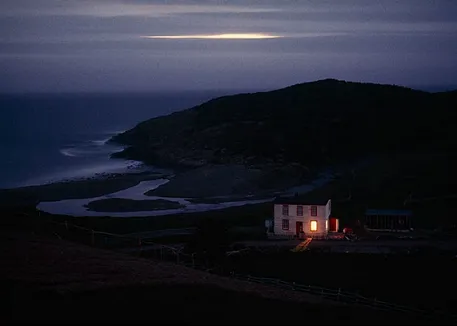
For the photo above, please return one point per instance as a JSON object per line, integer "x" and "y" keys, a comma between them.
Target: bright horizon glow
{"x": 239, "y": 36}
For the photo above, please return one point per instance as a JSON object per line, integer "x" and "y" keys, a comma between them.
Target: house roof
{"x": 309, "y": 199}
{"x": 393, "y": 212}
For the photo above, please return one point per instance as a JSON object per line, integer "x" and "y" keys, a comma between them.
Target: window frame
{"x": 313, "y": 210}
{"x": 285, "y": 224}
{"x": 285, "y": 210}
{"x": 301, "y": 207}
{"x": 311, "y": 225}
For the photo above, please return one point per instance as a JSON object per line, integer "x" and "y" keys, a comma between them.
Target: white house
{"x": 296, "y": 218}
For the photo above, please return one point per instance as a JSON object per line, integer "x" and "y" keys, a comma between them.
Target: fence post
{"x": 339, "y": 292}
{"x": 374, "y": 302}
{"x": 92, "y": 237}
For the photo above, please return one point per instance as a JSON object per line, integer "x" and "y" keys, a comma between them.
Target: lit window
{"x": 299, "y": 210}
{"x": 285, "y": 210}
{"x": 285, "y": 224}
{"x": 313, "y": 226}
{"x": 313, "y": 210}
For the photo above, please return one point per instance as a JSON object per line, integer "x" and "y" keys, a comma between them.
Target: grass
{"x": 333, "y": 120}
{"x": 61, "y": 281}
{"x": 388, "y": 181}
{"x": 219, "y": 200}
{"x": 87, "y": 188}
{"x": 130, "y": 205}
{"x": 182, "y": 303}
{"x": 378, "y": 181}
{"x": 387, "y": 277}
{"x": 248, "y": 216}
{"x": 379, "y": 185}
{"x": 391, "y": 278}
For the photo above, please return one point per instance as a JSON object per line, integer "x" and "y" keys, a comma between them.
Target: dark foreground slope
{"x": 311, "y": 124}
{"x": 48, "y": 279}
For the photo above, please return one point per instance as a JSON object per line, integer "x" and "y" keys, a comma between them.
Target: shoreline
{"x": 97, "y": 171}
{"x": 77, "y": 188}
{"x": 156, "y": 193}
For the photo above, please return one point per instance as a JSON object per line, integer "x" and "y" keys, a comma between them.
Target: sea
{"x": 48, "y": 138}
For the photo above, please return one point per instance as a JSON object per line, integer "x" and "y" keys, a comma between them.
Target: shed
{"x": 388, "y": 220}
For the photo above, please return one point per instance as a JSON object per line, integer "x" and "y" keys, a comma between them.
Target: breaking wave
{"x": 100, "y": 142}
{"x": 90, "y": 148}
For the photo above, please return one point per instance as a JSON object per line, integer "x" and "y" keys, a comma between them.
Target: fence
{"x": 146, "y": 248}
{"x": 336, "y": 295}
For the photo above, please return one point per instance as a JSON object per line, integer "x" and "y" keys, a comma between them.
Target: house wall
{"x": 328, "y": 208}
{"x": 323, "y": 214}
{"x": 292, "y": 217}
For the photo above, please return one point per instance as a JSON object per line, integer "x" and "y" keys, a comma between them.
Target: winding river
{"x": 77, "y": 207}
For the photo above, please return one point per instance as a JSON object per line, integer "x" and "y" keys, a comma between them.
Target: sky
{"x": 150, "y": 45}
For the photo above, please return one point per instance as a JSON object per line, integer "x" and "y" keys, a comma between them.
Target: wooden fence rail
{"x": 333, "y": 294}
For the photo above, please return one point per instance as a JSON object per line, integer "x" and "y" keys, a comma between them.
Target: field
{"x": 74, "y": 189}
{"x": 49, "y": 279}
{"x": 249, "y": 215}
{"x": 425, "y": 280}
{"x": 421, "y": 181}
{"x": 416, "y": 180}
{"x": 130, "y": 205}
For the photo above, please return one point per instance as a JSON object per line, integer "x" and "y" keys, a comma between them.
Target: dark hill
{"x": 312, "y": 123}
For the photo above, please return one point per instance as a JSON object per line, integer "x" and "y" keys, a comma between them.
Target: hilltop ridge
{"x": 310, "y": 124}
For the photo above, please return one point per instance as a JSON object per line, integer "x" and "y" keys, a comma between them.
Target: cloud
{"x": 237, "y": 36}
{"x": 113, "y": 8}
{"x": 274, "y": 9}
{"x": 94, "y": 44}
{"x": 240, "y": 36}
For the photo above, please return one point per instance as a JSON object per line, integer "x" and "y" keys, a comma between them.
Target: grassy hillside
{"x": 313, "y": 123}
{"x": 48, "y": 279}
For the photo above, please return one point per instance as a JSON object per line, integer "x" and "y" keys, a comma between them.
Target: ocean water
{"x": 48, "y": 138}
